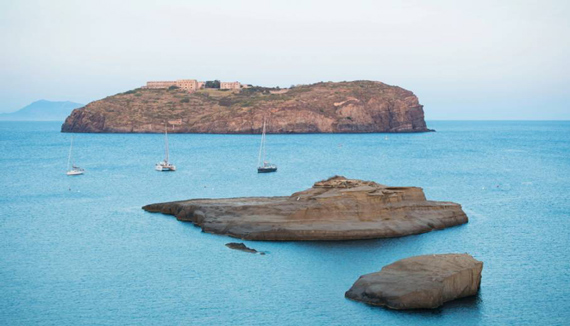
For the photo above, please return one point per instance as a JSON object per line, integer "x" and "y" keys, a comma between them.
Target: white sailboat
{"x": 266, "y": 167}
{"x": 165, "y": 166}
{"x": 72, "y": 169}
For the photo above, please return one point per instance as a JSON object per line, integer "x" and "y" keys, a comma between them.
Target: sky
{"x": 480, "y": 60}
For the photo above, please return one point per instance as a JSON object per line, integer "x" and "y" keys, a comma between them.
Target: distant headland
{"x": 42, "y": 110}
{"x": 191, "y": 106}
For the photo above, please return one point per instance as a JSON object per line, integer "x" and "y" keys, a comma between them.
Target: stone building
{"x": 230, "y": 85}
{"x": 160, "y": 84}
{"x": 190, "y": 85}
{"x": 185, "y": 84}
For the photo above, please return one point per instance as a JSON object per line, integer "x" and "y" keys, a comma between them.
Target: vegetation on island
{"x": 359, "y": 106}
{"x": 212, "y": 84}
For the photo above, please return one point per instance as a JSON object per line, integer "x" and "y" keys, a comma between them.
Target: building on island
{"x": 185, "y": 84}
{"x": 159, "y": 84}
{"x": 190, "y": 85}
{"x": 230, "y": 85}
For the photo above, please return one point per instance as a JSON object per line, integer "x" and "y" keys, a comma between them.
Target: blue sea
{"x": 81, "y": 251}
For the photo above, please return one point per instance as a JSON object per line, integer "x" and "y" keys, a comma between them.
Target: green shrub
{"x": 225, "y": 101}
{"x": 212, "y": 84}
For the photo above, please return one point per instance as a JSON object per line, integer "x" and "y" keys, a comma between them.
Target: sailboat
{"x": 266, "y": 167}
{"x": 165, "y": 165}
{"x": 71, "y": 168}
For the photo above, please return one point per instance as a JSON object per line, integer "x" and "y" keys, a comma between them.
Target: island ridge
{"x": 343, "y": 107}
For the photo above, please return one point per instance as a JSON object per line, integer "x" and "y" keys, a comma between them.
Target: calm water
{"x": 79, "y": 250}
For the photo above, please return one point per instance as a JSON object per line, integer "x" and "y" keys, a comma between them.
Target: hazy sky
{"x": 463, "y": 59}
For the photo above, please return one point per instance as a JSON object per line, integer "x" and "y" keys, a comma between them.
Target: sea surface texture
{"x": 81, "y": 251}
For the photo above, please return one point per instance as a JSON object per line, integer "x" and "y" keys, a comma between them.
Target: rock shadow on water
{"x": 468, "y": 310}
{"x": 389, "y": 249}
{"x": 469, "y": 307}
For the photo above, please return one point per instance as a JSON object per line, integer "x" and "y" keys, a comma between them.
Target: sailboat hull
{"x": 165, "y": 168}
{"x": 74, "y": 172}
{"x": 266, "y": 170}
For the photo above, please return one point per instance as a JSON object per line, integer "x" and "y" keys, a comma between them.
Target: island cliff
{"x": 333, "y": 209}
{"x": 344, "y": 107}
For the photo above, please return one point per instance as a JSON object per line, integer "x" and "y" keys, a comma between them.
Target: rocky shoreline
{"x": 348, "y": 209}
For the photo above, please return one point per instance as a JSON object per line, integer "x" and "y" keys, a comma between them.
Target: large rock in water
{"x": 420, "y": 282}
{"x": 334, "y": 209}
{"x": 355, "y": 107}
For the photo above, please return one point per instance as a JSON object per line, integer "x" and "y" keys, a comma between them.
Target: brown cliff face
{"x": 333, "y": 209}
{"x": 345, "y": 107}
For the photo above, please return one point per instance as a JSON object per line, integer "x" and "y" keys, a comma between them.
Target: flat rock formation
{"x": 333, "y": 209}
{"x": 243, "y": 247}
{"x": 345, "y": 107}
{"x": 420, "y": 282}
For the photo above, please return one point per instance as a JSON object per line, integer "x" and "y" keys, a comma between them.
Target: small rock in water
{"x": 242, "y": 247}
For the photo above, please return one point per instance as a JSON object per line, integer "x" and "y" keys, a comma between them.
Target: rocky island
{"x": 333, "y": 209}
{"x": 343, "y": 107}
{"x": 420, "y": 282}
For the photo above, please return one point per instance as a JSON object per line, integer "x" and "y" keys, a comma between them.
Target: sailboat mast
{"x": 261, "y": 147}
{"x": 69, "y": 156}
{"x": 264, "y": 143}
{"x": 166, "y": 141}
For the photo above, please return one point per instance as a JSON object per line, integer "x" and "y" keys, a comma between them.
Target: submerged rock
{"x": 420, "y": 282}
{"x": 333, "y": 209}
{"x": 242, "y": 247}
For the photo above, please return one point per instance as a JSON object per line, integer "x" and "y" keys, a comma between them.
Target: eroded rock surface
{"x": 420, "y": 282}
{"x": 333, "y": 209}
{"x": 354, "y": 107}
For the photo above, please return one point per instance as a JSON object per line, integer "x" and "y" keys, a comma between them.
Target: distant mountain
{"x": 42, "y": 110}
